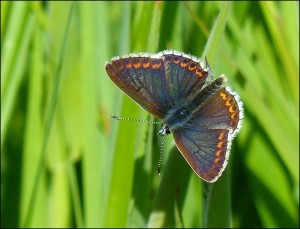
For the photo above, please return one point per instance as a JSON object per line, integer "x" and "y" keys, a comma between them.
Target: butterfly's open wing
{"x": 157, "y": 82}
{"x": 206, "y": 139}
{"x": 143, "y": 80}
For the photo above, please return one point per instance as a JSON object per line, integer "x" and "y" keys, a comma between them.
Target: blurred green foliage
{"x": 66, "y": 163}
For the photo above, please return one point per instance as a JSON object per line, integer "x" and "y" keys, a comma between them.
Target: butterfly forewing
{"x": 185, "y": 77}
{"x": 159, "y": 82}
{"x": 142, "y": 79}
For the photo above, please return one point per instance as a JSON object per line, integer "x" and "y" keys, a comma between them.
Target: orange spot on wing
{"x": 156, "y": 66}
{"x": 228, "y": 103}
{"x": 221, "y": 136}
{"x": 183, "y": 64}
{"x": 232, "y": 116}
{"x": 137, "y": 65}
{"x": 146, "y": 65}
{"x": 220, "y": 144}
{"x": 192, "y": 67}
{"x": 217, "y": 160}
{"x": 199, "y": 73}
{"x": 128, "y": 65}
{"x": 176, "y": 61}
{"x": 218, "y": 153}
{"x": 223, "y": 95}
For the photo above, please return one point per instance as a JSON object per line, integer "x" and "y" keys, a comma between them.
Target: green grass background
{"x": 66, "y": 163}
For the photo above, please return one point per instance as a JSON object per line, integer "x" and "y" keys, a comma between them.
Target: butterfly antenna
{"x": 135, "y": 120}
{"x": 160, "y": 155}
{"x": 207, "y": 65}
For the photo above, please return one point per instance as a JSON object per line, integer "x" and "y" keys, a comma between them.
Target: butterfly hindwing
{"x": 221, "y": 110}
{"x": 206, "y": 151}
{"x": 205, "y": 139}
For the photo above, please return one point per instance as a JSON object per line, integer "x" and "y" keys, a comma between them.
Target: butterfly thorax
{"x": 177, "y": 117}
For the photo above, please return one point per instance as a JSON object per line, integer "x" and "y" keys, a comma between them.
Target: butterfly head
{"x": 164, "y": 130}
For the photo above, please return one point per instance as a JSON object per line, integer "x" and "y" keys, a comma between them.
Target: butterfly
{"x": 203, "y": 114}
